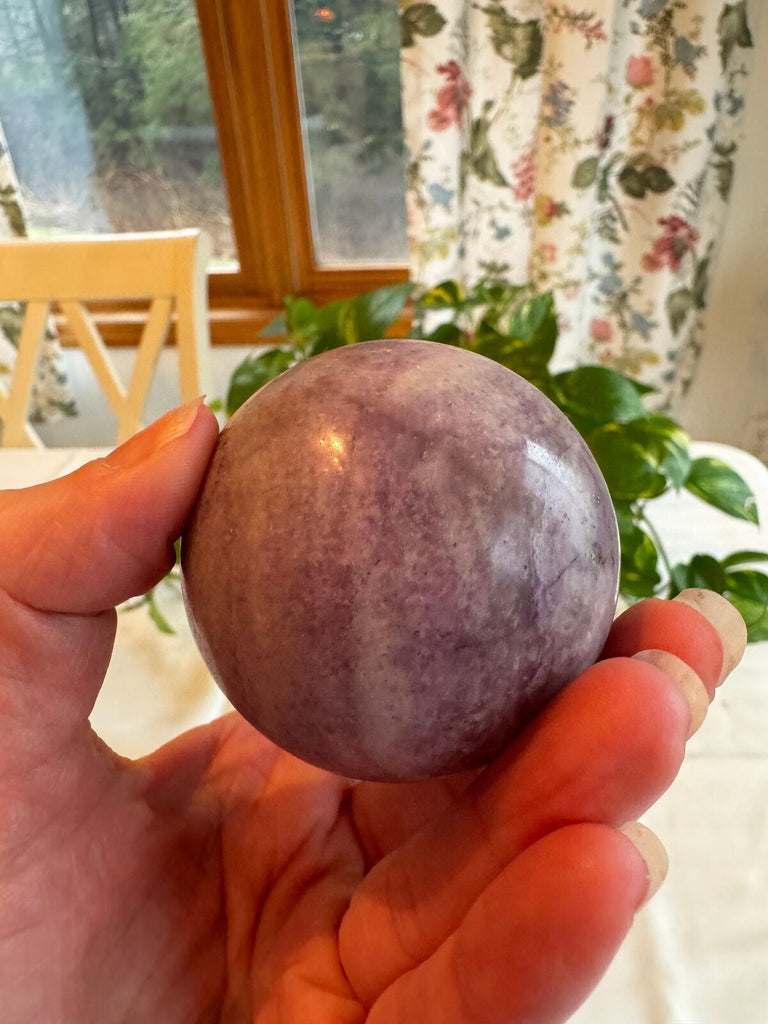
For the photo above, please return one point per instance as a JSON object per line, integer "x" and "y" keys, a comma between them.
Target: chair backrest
{"x": 169, "y": 269}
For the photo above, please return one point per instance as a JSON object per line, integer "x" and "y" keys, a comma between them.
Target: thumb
{"x": 90, "y": 540}
{"x": 72, "y": 549}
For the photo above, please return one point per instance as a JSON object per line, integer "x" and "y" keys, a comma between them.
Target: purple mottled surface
{"x": 400, "y": 552}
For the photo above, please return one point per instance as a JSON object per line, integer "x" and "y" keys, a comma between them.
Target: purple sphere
{"x": 400, "y": 552}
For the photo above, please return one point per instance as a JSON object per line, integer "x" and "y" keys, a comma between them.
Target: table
{"x": 698, "y": 953}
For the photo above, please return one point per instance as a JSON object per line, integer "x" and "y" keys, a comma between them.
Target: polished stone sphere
{"x": 400, "y": 552}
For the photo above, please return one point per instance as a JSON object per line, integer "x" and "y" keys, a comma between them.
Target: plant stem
{"x": 653, "y": 534}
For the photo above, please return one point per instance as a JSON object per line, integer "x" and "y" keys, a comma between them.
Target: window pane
{"x": 349, "y": 74}
{"x": 106, "y": 110}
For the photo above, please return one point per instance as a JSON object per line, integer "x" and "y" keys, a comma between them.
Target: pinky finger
{"x": 539, "y": 938}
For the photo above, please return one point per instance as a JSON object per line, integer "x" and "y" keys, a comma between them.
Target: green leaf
{"x": 706, "y": 572}
{"x": 669, "y": 444}
{"x": 299, "y": 313}
{"x": 157, "y": 616}
{"x": 748, "y": 583}
{"x": 639, "y": 556}
{"x": 489, "y": 338}
{"x": 447, "y": 334}
{"x": 742, "y": 558}
{"x": 535, "y": 322}
{"x": 420, "y": 19}
{"x": 301, "y": 323}
{"x": 446, "y": 295}
{"x": 625, "y": 515}
{"x": 631, "y": 471}
{"x": 679, "y": 304}
{"x": 632, "y": 182}
{"x": 722, "y": 487}
{"x": 365, "y": 317}
{"x": 755, "y": 615}
{"x": 336, "y": 326}
{"x": 747, "y": 590}
{"x": 642, "y": 458}
{"x": 375, "y": 311}
{"x": 585, "y": 173}
{"x": 254, "y": 372}
{"x": 340, "y": 328}
{"x": 733, "y": 30}
{"x": 498, "y": 296}
{"x": 597, "y": 395}
{"x": 657, "y": 179}
{"x": 678, "y": 580}
{"x": 511, "y": 352}
{"x": 528, "y": 364}
{"x": 275, "y": 327}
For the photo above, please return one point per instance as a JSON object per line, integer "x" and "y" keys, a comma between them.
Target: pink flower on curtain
{"x": 452, "y": 98}
{"x": 639, "y": 72}
{"x": 524, "y": 173}
{"x": 559, "y": 155}
{"x": 678, "y": 238}
{"x": 547, "y": 252}
{"x": 600, "y": 329}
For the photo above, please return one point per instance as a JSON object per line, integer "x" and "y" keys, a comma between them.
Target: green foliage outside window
{"x": 350, "y": 73}
{"x": 106, "y": 108}
{"x": 136, "y": 65}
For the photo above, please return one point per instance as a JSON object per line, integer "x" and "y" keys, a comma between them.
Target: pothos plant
{"x": 641, "y": 454}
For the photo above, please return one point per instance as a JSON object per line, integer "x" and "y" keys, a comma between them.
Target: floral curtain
{"x": 590, "y": 150}
{"x": 50, "y": 392}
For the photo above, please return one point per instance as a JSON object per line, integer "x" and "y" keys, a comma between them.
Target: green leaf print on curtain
{"x": 590, "y": 149}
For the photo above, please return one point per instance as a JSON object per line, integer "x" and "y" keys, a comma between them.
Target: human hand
{"x": 221, "y": 879}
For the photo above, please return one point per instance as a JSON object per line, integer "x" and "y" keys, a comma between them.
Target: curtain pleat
{"x": 586, "y": 149}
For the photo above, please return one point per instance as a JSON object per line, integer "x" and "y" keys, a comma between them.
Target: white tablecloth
{"x": 698, "y": 953}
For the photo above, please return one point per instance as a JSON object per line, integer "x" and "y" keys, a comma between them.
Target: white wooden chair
{"x": 167, "y": 268}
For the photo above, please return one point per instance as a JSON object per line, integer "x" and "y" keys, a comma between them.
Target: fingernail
{"x": 726, "y": 620}
{"x": 146, "y": 442}
{"x": 689, "y": 682}
{"x": 650, "y": 848}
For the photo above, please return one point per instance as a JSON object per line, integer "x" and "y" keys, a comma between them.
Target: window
{"x": 106, "y": 107}
{"x": 263, "y": 123}
{"x": 289, "y": 151}
{"x": 349, "y": 86}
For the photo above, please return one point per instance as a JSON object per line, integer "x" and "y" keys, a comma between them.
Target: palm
{"x": 222, "y": 880}
{"x": 219, "y": 867}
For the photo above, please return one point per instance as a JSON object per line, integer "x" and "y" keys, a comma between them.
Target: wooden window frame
{"x": 249, "y": 56}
